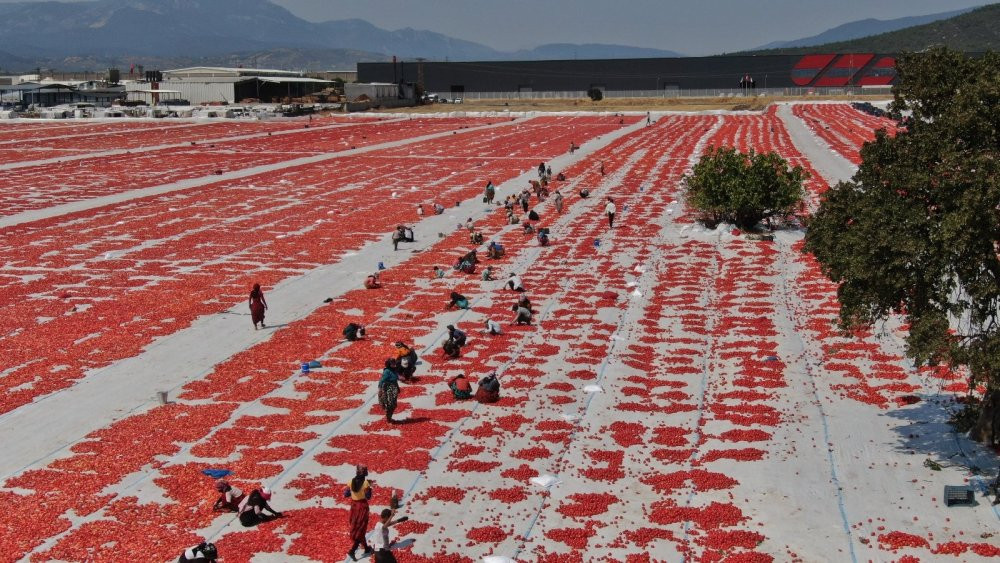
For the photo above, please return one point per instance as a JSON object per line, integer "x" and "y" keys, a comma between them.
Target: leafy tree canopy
{"x": 743, "y": 188}
{"x": 917, "y": 230}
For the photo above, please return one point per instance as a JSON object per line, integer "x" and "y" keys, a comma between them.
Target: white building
{"x": 201, "y": 85}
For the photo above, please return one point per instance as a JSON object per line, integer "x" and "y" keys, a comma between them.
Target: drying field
{"x": 682, "y": 395}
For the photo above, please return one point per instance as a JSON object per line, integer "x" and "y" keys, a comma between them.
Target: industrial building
{"x": 644, "y": 77}
{"x": 196, "y": 85}
{"x": 202, "y": 85}
{"x": 379, "y": 95}
{"x": 47, "y": 93}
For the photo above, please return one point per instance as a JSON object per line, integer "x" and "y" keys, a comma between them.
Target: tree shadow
{"x": 925, "y": 431}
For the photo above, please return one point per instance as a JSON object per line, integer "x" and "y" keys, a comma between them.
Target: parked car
{"x": 457, "y": 101}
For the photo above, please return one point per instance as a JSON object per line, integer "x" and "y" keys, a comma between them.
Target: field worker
{"x": 450, "y": 349}
{"x": 438, "y": 272}
{"x": 543, "y": 237}
{"x": 491, "y": 192}
{"x": 495, "y": 250}
{"x": 522, "y": 315}
{"x": 461, "y": 387}
{"x": 381, "y": 542}
{"x": 609, "y": 210}
{"x": 371, "y": 282}
{"x": 397, "y": 237}
{"x": 201, "y": 553}
{"x": 559, "y": 202}
{"x": 388, "y": 390}
{"x": 457, "y": 335}
{"x": 252, "y": 508}
{"x": 493, "y": 327}
{"x": 354, "y": 331}
{"x": 514, "y": 283}
{"x": 488, "y": 274}
{"x": 458, "y": 300}
{"x": 359, "y": 490}
{"x": 489, "y": 389}
{"x": 257, "y": 306}
{"x": 406, "y": 358}
{"x": 229, "y": 497}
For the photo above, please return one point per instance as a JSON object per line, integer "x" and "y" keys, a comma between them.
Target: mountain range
{"x": 974, "y": 31}
{"x": 862, "y": 28}
{"x": 97, "y": 34}
{"x": 158, "y": 33}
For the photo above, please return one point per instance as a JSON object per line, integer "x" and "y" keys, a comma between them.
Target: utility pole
{"x": 420, "y": 73}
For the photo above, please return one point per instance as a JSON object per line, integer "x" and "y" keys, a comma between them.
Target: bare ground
{"x": 623, "y": 104}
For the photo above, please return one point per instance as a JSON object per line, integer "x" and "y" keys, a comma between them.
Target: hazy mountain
{"x": 974, "y": 31}
{"x": 283, "y": 58}
{"x": 862, "y": 28}
{"x": 99, "y": 31}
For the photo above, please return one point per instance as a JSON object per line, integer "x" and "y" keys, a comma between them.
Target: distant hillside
{"x": 863, "y": 28}
{"x": 978, "y": 30}
{"x": 290, "y": 58}
{"x": 95, "y": 34}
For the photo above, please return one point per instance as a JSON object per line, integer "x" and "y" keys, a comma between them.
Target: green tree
{"x": 743, "y": 188}
{"x": 917, "y": 230}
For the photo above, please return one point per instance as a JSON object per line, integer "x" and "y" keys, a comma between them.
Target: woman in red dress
{"x": 257, "y": 306}
{"x": 359, "y": 491}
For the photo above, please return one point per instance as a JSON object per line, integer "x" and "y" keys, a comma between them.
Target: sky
{"x": 693, "y": 27}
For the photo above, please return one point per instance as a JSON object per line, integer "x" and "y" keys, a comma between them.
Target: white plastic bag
{"x": 545, "y": 481}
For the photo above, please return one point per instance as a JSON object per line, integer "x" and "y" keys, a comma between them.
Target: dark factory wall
{"x": 722, "y": 72}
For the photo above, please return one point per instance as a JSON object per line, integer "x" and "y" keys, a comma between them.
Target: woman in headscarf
{"x": 460, "y": 387}
{"x": 405, "y": 364}
{"x": 257, "y": 306}
{"x": 388, "y": 390}
{"x": 450, "y": 349}
{"x": 489, "y": 389}
{"x": 252, "y": 507}
{"x": 229, "y": 496}
{"x": 359, "y": 491}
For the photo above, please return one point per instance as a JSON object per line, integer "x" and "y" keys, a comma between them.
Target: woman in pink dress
{"x": 257, "y": 306}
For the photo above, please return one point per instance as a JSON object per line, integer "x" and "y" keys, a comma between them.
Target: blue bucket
{"x": 381, "y": 266}
{"x": 305, "y": 368}
{"x": 597, "y": 242}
